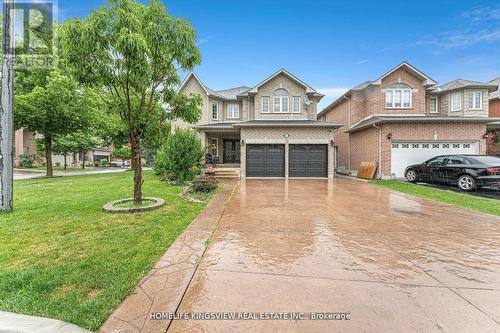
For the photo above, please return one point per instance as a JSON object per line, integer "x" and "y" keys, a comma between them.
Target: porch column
{"x": 287, "y": 146}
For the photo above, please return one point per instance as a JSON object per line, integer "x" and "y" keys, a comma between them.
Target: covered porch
{"x": 223, "y": 144}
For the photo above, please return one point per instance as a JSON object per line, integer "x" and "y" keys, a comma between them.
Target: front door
{"x": 231, "y": 151}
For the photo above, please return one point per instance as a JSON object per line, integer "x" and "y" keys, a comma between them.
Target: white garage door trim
{"x": 404, "y": 153}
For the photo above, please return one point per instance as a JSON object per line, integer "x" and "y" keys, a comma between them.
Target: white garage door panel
{"x": 404, "y": 154}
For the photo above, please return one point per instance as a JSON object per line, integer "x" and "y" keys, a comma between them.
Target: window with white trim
{"x": 265, "y": 104}
{"x": 296, "y": 104}
{"x": 280, "y": 101}
{"x": 456, "y": 101}
{"x": 475, "y": 99}
{"x": 215, "y": 110}
{"x": 434, "y": 105}
{"x": 233, "y": 111}
{"x": 398, "y": 96}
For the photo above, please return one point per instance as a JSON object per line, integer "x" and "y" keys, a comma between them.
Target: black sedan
{"x": 468, "y": 172}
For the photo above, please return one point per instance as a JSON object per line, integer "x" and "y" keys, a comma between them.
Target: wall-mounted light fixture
{"x": 389, "y": 136}
{"x": 242, "y": 142}
{"x": 486, "y": 136}
{"x": 332, "y": 143}
{"x": 286, "y": 135}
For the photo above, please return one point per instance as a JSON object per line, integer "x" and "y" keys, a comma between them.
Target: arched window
{"x": 280, "y": 101}
{"x": 398, "y": 96}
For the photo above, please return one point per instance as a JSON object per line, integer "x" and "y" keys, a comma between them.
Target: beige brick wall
{"x": 193, "y": 86}
{"x": 295, "y": 135}
{"x": 465, "y": 112}
{"x": 282, "y": 81}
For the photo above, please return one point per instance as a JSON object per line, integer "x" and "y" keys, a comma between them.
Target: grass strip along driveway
{"x": 484, "y": 205}
{"x": 62, "y": 257}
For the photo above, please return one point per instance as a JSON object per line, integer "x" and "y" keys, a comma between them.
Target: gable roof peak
{"x": 427, "y": 81}
{"x": 309, "y": 89}
{"x": 193, "y": 74}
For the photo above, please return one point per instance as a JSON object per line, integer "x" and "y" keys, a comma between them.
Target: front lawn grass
{"x": 484, "y": 205}
{"x": 62, "y": 257}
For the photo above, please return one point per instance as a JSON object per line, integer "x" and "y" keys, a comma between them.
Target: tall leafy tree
{"x": 122, "y": 153}
{"x": 83, "y": 141}
{"x": 134, "y": 52}
{"x": 58, "y": 107}
{"x": 63, "y": 145}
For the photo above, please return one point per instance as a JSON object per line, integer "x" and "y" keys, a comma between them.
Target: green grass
{"x": 484, "y": 205}
{"x": 62, "y": 257}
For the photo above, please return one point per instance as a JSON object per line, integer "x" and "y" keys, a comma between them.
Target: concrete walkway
{"x": 394, "y": 262}
{"x": 17, "y": 323}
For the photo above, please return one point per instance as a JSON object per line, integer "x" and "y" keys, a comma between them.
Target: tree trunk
{"x": 65, "y": 162}
{"x": 136, "y": 162}
{"x": 132, "y": 160}
{"x": 83, "y": 160}
{"x": 48, "y": 156}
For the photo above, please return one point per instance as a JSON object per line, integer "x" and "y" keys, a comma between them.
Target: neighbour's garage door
{"x": 404, "y": 154}
{"x": 308, "y": 160}
{"x": 265, "y": 160}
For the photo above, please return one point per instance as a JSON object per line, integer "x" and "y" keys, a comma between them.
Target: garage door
{"x": 265, "y": 160}
{"x": 404, "y": 154}
{"x": 308, "y": 160}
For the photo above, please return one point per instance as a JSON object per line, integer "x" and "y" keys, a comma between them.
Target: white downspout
{"x": 379, "y": 151}
{"x": 348, "y": 135}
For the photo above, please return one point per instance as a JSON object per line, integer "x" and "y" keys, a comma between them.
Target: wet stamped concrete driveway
{"x": 395, "y": 262}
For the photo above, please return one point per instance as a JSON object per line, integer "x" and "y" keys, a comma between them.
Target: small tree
{"x": 58, "y": 107}
{"x": 180, "y": 158}
{"x": 122, "y": 153}
{"x": 133, "y": 52}
{"x": 83, "y": 142}
{"x": 63, "y": 145}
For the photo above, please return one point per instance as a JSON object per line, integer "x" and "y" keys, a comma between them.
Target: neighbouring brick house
{"x": 269, "y": 130}
{"x": 24, "y": 144}
{"x": 404, "y": 117}
{"x": 493, "y": 146}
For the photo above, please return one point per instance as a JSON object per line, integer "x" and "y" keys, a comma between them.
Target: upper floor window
{"x": 434, "y": 105}
{"x": 475, "y": 99}
{"x": 398, "y": 96}
{"x": 215, "y": 110}
{"x": 296, "y": 104}
{"x": 265, "y": 104}
{"x": 456, "y": 101}
{"x": 233, "y": 111}
{"x": 280, "y": 101}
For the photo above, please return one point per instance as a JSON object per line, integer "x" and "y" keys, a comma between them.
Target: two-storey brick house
{"x": 269, "y": 130}
{"x": 493, "y": 145}
{"x": 404, "y": 117}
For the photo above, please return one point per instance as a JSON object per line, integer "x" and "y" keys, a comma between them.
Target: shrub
{"x": 103, "y": 162}
{"x": 58, "y": 164}
{"x": 180, "y": 158}
{"x": 25, "y": 161}
{"x": 204, "y": 183}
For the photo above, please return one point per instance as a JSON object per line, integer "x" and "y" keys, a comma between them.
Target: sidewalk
{"x": 18, "y": 323}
